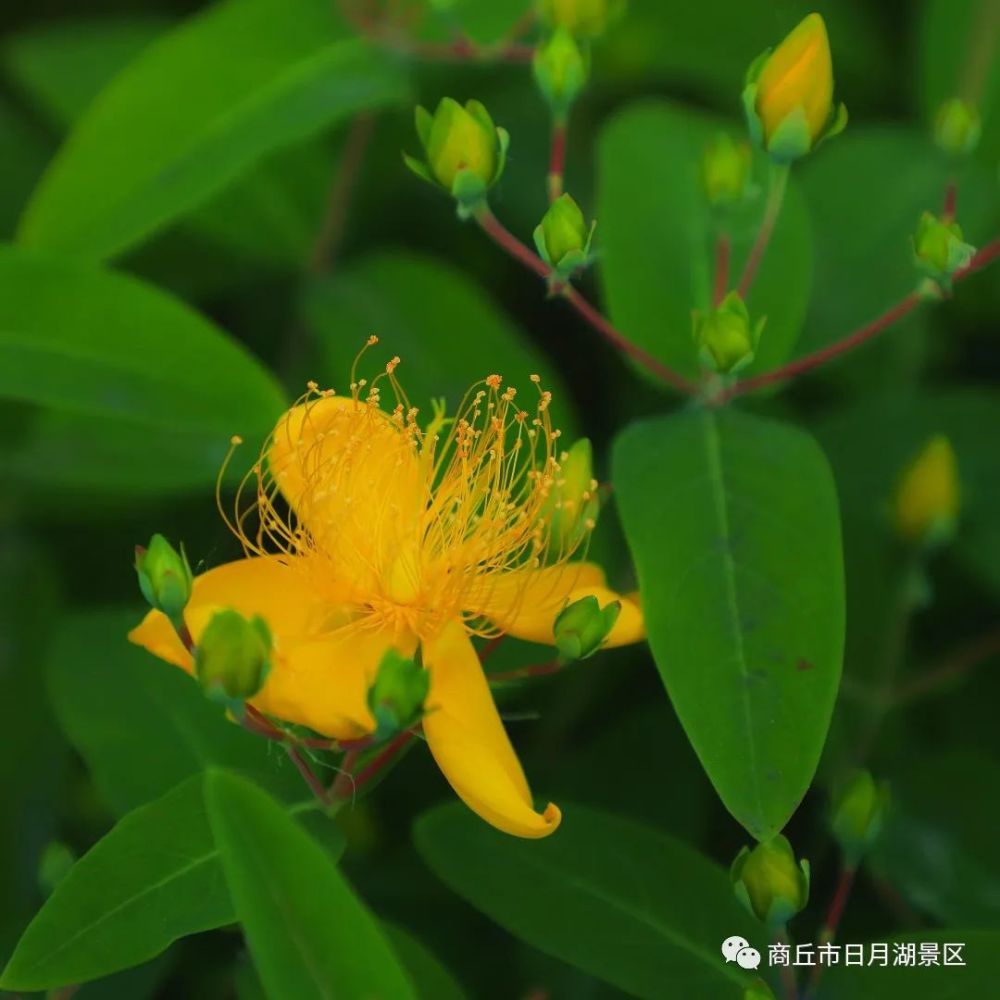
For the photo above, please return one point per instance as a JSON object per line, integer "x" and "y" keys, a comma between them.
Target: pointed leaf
{"x": 734, "y": 528}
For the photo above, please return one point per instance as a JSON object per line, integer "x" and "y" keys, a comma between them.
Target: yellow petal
{"x": 469, "y": 743}
{"x": 524, "y": 603}
{"x": 324, "y": 683}
{"x": 799, "y": 74}
{"x": 352, "y": 476}
{"x": 322, "y": 663}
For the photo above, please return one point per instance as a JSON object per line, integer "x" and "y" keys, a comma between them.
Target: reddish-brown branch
{"x": 786, "y": 972}
{"x": 557, "y": 160}
{"x": 307, "y": 774}
{"x": 348, "y": 782}
{"x": 523, "y": 673}
{"x": 982, "y": 259}
{"x": 827, "y": 353}
{"x": 331, "y": 232}
{"x": 491, "y": 647}
{"x": 950, "y": 201}
{"x": 723, "y": 251}
{"x": 833, "y": 916}
{"x": 506, "y": 240}
{"x": 957, "y": 665}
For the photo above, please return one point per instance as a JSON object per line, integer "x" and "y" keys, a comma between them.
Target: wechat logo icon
{"x": 737, "y": 949}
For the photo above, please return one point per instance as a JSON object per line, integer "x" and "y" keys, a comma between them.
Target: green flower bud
{"x": 561, "y": 70}
{"x": 465, "y": 151}
{"x": 957, "y": 127}
{"x": 939, "y": 248}
{"x": 583, "y": 18}
{"x": 928, "y": 497}
{"x": 725, "y": 170}
{"x": 769, "y": 883}
{"x": 726, "y": 340}
{"x": 573, "y": 504}
{"x": 396, "y": 699}
{"x": 563, "y": 237}
{"x": 858, "y": 813}
{"x": 165, "y": 577}
{"x": 582, "y": 627}
{"x": 233, "y": 657}
{"x": 54, "y": 865}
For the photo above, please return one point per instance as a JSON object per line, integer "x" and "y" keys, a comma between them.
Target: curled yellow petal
{"x": 798, "y": 75}
{"x": 524, "y": 603}
{"x": 469, "y": 742}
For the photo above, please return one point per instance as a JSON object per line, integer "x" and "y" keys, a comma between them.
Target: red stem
{"x": 775, "y": 199}
{"x": 513, "y": 246}
{"x": 950, "y": 202}
{"x": 522, "y": 673}
{"x": 331, "y": 231}
{"x": 983, "y": 258}
{"x": 723, "y": 251}
{"x": 377, "y": 763}
{"x": 557, "y": 160}
{"x": 310, "y": 779}
{"x": 491, "y": 647}
{"x": 833, "y": 916}
{"x": 787, "y": 973}
{"x": 957, "y": 665}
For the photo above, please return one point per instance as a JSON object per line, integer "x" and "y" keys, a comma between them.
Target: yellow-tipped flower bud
{"x": 939, "y": 248}
{"x": 957, "y": 127}
{"x": 583, "y": 18}
{"x": 233, "y": 657}
{"x": 465, "y": 152}
{"x": 561, "y": 69}
{"x": 725, "y": 170}
{"x": 582, "y": 627}
{"x": 929, "y": 496}
{"x": 563, "y": 237}
{"x": 726, "y": 339}
{"x": 858, "y": 813}
{"x": 396, "y": 699}
{"x": 165, "y": 577}
{"x": 769, "y": 882}
{"x": 573, "y": 503}
{"x": 788, "y": 96}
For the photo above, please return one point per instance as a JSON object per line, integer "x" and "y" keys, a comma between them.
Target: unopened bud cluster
{"x": 769, "y": 882}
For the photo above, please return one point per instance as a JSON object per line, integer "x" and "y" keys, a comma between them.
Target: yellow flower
{"x": 371, "y": 533}
{"x": 929, "y": 495}
{"x": 789, "y": 93}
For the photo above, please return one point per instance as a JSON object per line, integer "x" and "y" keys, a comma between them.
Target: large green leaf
{"x": 657, "y": 242}
{"x": 25, "y": 155}
{"x": 308, "y": 933}
{"x": 270, "y": 213}
{"x": 143, "y": 725}
{"x": 82, "y": 342}
{"x": 446, "y": 330}
{"x": 614, "y": 898}
{"x": 155, "y": 877}
{"x": 734, "y": 528}
{"x": 974, "y": 977}
{"x": 200, "y": 106}
{"x": 939, "y": 846}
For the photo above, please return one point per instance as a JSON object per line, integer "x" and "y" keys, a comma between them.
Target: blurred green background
{"x": 237, "y": 240}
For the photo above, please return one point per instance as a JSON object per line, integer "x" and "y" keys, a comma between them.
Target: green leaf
{"x": 733, "y": 525}
{"x": 657, "y": 242}
{"x": 871, "y": 253}
{"x": 421, "y": 310}
{"x": 939, "y": 846}
{"x": 268, "y": 214}
{"x": 308, "y": 933}
{"x": 83, "y": 342}
{"x": 597, "y": 883}
{"x": 976, "y": 977}
{"x": 154, "y": 878}
{"x": 143, "y": 725}
{"x": 200, "y": 106}
{"x": 25, "y": 154}
{"x": 431, "y": 979}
